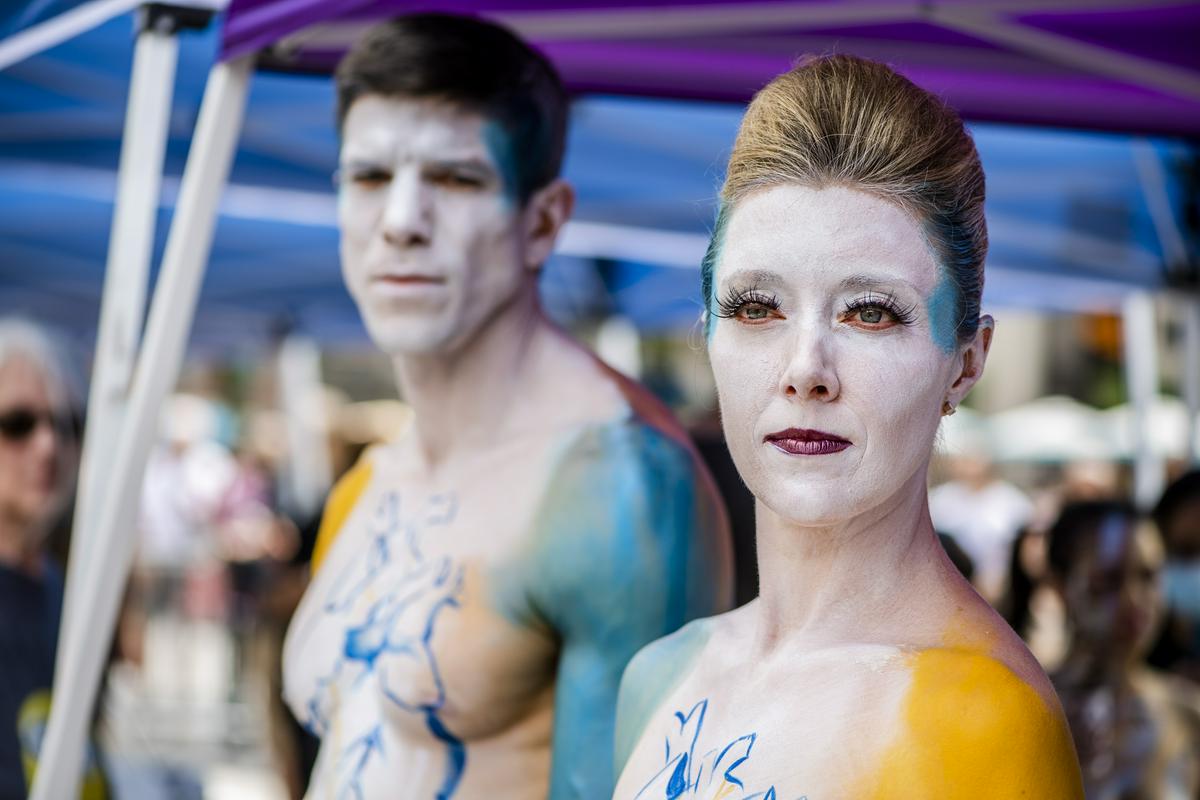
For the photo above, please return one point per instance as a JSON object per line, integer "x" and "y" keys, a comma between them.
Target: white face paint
{"x": 829, "y": 291}
{"x": 431, "y": 246}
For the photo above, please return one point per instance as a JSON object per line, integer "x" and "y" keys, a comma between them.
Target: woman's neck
{"x": 844, "y": 583}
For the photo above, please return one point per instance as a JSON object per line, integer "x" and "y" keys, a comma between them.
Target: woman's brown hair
{"x": 847, "y": 121}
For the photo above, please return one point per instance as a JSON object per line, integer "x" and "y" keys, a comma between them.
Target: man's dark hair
{"x": 472, "y": 64}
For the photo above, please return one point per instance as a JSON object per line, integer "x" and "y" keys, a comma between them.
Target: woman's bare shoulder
{"x": 974, "y": 626}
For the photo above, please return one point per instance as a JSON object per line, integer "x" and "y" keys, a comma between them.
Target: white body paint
{"x": 427, "y": 256}
{"x": 883, "y": 388}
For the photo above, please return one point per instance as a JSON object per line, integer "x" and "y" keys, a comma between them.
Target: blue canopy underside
{"x": 1068, "y": 216}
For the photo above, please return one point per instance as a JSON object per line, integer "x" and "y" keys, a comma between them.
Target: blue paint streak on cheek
{"x": 942, "y": 308}
{"x": 499, "y": 144}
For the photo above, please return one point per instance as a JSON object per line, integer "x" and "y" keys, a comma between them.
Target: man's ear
{"x": 971, "y": 360}
{"x": 543, "y": 218}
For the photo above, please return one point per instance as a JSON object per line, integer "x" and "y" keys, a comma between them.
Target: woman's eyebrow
{"x": 754, "y": 276}
{"x": 865, "y": 281}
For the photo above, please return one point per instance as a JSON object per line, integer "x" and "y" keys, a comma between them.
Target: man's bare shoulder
{"x": 634, "y": 495}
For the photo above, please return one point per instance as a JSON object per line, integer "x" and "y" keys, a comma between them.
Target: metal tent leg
{"x": 1141, "y": 378}
{"x": 81, "y": 655}
{"x": 1190, "y": 305}
{"x": 122, "y": 307}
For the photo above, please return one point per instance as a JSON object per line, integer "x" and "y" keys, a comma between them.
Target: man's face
{"x": 431, "y": 236}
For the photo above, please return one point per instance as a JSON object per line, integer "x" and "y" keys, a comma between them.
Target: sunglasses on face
{"x": 18, "y": 424}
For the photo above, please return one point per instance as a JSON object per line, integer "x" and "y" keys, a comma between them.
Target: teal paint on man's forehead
{"x": 500, "y": 145}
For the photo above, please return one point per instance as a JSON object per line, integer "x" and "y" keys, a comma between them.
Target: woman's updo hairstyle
{"x": 846, "y": 121}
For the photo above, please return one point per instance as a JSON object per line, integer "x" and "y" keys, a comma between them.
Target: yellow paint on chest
{"x": 341, "y": 502}
{"x": 973, "y": 730}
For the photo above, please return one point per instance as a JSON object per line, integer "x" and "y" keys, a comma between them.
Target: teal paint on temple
{"x": 942, "y": 308}
{"x": 500, "y": 145}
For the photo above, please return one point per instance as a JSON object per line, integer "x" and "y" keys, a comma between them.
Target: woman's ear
{"x": 544, "y": 215}
{"x": 971, "y": 360}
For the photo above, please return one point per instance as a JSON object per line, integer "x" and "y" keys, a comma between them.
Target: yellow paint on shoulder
{"x": 341, "y": 502}
{"x": 973, "y": 730}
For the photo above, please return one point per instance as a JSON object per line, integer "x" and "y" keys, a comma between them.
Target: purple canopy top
{"x": 1119, "y": 65}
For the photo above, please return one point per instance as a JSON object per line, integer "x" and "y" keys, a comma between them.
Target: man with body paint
{"x": 843, "y": 285}
{"x": 480, "y": 583}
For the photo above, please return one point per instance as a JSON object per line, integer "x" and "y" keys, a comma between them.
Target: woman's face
{"x": 32, "y": 459}
{"x": 833, "y": 351}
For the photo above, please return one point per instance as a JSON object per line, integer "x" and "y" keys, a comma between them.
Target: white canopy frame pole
{"x": 1141, "y": 379}
{"x": 103, "y": 580}
{"x": 122, "y": 308}
{"x": 309, "y": 473}
{"x": 1190, "y": 306}
{"x": 59, "y": 29}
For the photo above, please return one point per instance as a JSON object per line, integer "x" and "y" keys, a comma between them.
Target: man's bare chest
{"x": 412, "y": 615}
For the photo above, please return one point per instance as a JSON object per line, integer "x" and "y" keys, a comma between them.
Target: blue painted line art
{"x": 389, "y": 623}
{"x": 710, "y": 774}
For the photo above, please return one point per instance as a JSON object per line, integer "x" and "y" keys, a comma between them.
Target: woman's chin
{"x": 811, "y": 506}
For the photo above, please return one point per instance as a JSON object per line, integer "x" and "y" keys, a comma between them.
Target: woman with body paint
{"x": 843, "y": 288}
{"x": 1137, "y": 730}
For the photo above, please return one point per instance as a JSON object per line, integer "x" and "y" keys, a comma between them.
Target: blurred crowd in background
{"x": 1106, "y": 595}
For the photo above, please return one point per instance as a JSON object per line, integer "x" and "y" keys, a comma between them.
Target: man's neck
{"x": 843, "y": 583}
{"x": 470, "y": 395}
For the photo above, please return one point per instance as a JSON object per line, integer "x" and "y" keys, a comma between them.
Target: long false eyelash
{"x": 735, "y": 299}
{"x": 904, "y": 315}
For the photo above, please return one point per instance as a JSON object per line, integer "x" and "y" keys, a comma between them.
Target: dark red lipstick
{"x": 804, "y": 442}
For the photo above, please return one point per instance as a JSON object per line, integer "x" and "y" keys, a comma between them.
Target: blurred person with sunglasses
{"x": 1137, "y": 730}
{"x": 38, "y": 458}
